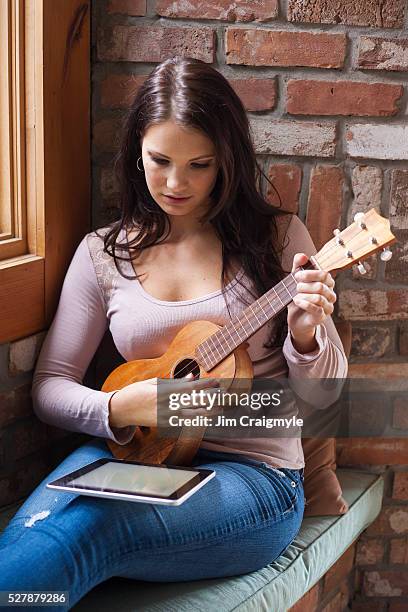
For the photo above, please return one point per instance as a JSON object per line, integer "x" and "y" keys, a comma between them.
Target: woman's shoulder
{"x": 293, "y": 237}
{"x": 96, "y": 245}
{"x": 96, "y": 240}
{"x": 289, "y": 224}
{"x": 290, "y": 227}
{"x": 124, "y": 235}
{"x": 99, "y": 233}
{"x": 283, "y": 221}
{"x": 284, "y": 230}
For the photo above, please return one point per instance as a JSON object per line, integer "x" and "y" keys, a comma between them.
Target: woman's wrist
{"x": 304, "y": 343}
{"x": 116, "y": 412}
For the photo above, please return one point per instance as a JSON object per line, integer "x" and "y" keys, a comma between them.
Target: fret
{"x": 277, "y": 295}
{"x": 294, "y": 279}
{"x": 261, "y": 307}
{"x": 270, "y": 303}
{"x": 292, "y": 287}
{"x": 211, "y": 352}
{"x": 245, "y": 315}
{"x": 200, "y": 354}
{"x": 290, "y": 295}
{"x": 212, "y": 360}
{"x": 215, "y": 345}
{"x": 216, "y": 339}
{"x": 237, "y": 332}
{"x": 227, "y": 328}
{"x": 206, "y": 350}
{"x": 239, "y": 320}
{"x": 254, "y": 313}
{"x": 224, "y": 338}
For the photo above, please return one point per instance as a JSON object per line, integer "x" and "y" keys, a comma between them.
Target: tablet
{"x": 135, "y": 481}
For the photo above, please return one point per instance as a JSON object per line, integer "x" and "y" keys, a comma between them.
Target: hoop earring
{"x": 137, "y": 165}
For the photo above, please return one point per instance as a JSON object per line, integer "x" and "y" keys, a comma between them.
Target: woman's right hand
{"x": 136, "y": 404}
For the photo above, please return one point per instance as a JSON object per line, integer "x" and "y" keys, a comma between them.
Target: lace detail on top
{"x": 104, "y": 265}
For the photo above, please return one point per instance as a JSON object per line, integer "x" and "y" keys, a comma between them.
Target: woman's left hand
{"x": 312, "y": 304}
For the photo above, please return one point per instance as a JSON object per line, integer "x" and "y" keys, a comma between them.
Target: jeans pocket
{"x": 289, "y": 483}
{"x": 296, "y": 475}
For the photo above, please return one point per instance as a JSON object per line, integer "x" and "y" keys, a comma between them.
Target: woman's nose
{"x": 176, "y": 179}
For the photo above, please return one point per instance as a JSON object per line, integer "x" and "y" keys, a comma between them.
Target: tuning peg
{"x": 386, "y": 254}
{"x": 361, "y": 268}
{"x": 339, "y": 241}
{"x": 358, "y": 218}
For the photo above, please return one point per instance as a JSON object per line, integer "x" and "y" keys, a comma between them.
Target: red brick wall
{"x": 29, "y": 448}
{"x": 333, "y": 592}
{"x": 324, "y": 83}
{"x": 329, "y": 123}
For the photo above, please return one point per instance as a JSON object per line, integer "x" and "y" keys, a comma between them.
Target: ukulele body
{"x": 145, "y": 445}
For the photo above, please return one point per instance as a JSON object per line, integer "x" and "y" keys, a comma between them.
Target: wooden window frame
{"x": 13, "y": 222}
{"x": 55, "y": 175}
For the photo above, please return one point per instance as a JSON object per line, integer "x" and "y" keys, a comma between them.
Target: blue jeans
{"x": 240, "y": 521}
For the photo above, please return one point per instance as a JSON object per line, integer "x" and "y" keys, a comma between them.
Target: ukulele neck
{"x": 229, "y": 337}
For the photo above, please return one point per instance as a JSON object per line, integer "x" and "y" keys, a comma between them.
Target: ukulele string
{"x": 193, "y": 363}
{"x": 289, "y": 285}
{"x": 335, "y": 246}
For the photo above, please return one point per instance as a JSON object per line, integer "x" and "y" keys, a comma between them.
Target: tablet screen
{"x": 146, "y": 479}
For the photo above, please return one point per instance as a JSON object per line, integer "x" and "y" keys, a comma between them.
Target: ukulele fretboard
{"x": 229, "y": 337}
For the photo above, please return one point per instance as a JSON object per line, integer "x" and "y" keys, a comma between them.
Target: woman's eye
{"x": 163, "y": 162}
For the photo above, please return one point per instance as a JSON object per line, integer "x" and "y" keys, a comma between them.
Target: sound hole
{"x": 186, "y": 366}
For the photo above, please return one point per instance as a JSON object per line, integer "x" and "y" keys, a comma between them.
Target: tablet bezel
{"x": 63, "y": 482}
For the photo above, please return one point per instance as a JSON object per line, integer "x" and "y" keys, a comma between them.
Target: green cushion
{"x": 319, "y": 543}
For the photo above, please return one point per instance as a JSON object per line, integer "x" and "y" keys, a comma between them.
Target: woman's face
{"x": 179, "y": 162}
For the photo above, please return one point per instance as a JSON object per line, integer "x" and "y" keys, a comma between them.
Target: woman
{"x": 203, "y": 243}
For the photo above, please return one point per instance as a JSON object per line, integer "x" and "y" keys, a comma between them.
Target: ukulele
{"x": 212, "y": 351}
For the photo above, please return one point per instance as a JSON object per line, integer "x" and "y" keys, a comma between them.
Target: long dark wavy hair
{"x": 195, "y": 95}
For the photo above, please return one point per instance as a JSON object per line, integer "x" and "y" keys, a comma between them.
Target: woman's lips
{"x": 172, "y": 199}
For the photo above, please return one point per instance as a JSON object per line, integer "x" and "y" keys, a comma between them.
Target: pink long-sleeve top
{"x": 95, "y": 296}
